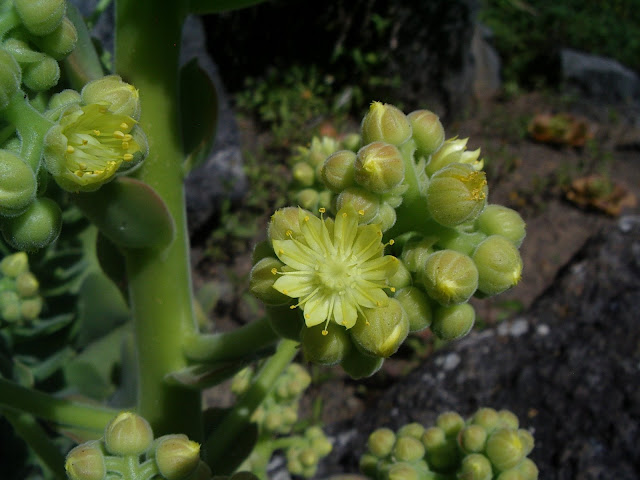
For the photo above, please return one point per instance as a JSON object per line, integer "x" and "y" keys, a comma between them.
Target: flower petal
{"x": 316, "y": 310}
{"x": 294, "y": 286}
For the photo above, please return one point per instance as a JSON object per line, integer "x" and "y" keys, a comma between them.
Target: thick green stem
{"x": 222, "y": 438}
{"x": 57, "y": 410}
{"x": 238, "y": 344}
{"x": 31, "y": 432}
{"x": 147, "y": 48}
{"x": 31, "y": 126}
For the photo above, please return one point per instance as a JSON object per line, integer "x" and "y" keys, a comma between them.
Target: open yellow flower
{"x": 335, "y": 268}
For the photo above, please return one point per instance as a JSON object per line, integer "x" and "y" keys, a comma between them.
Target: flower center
{"x": 336, "y": 274}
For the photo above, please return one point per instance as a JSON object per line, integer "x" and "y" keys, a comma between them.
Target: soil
{"x": 526, "y": 175}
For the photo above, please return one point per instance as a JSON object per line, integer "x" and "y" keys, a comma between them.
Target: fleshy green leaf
{"x": 199, "y": 377}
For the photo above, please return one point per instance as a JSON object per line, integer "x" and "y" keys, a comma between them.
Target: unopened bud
{"x": 60, "y": 42}
{"x": 416, "y": 303}
{"x": 475, "y": 467}
{"x": 352, "y": 141}
{"x": 453, "y": 151}
{"x": 325, "y": 346}
{"x": 508, "y": 419}
{"x": 402, "y": 277}
{"x": 308, "y": 199}
{"x": 428, "y": 132}
{"x": 30, "y": 308}
{"x": 86, "y": 462}
{"x": 27, "y": 284}
{"x": 416, "y": 252}
{"x": 385, "y": 123}
{"x": 414, "y": 429}
{"x": 64, "y": 99}
{"x": 338, "y": 171}
{"x": 325, "y": 200}
{"x": 449, "y": 277}
{"x": 177, "y": 457}
{"x": 380, "y": 331}
{"x": 14, "y": 264}
{"x": 526, "y": 439}
{"x": 41, "y": 75}
{"x": 450, "y": 323}
{"x": 10, "y": 78}
{"x": 128, "y": 434}
{"x": 499, "y": 265}
{"x": 261, "y": 279}
{"x": 121, "y": 97}
{"x": 456, "y": 194}
{"x": 386, "y": 217}
{"x": 511, "y": 474}
{"x": 500, "y": 220}
{"x": 441, "y": 453}
{"x": 40, "y": 17}
{"x": 360, "y": 365}
{"x": 308, "y": 457}
{"x": 505, "y": 449}
{"x": 487, "y": 418}
{"x": 379, "y": 167}
{"x": 286, "y": 322}
{"x": 17, "y": 184}
{"x": 402, "y": 471}
{"x": 285, "y": 222}
{"x": 462, "y": 242}
{"x": 321, "y": 445}
{"x": 303, "y": 173}
{"x": 369, "y": 465}
{"x": 362, "y": 201}
{"x": 408, "y": 449}
{"x": 528, "y": 469}
{"x": 450, "y": 422}
{"x": 381, "y": 442}
{"x": 10, "y": 307}
{"x": 36, "y": 228}
{"x": 472, "y": 438}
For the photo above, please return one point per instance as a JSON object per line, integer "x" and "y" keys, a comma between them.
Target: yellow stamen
{"x": 124, "y": 125}
{"x": 70, "y": 149}
{"x": 118, "y": 134}
{"x": 127, "y": 157}
{"x": 274, "y": 270}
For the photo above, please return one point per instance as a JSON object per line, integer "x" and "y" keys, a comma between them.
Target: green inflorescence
{"x": 487, "y": 446}
{"x": 403, "y": 238}
{"x": 20, "y": 300}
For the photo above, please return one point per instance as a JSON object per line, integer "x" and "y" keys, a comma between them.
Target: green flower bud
{"x": 450, "y": 323}
{"x": 505, "y": 449}
{"x": 41, "y": 75}
{"x": 408, "y": 449}
{"x": 325, "y": 200}
{"x": 472, "y": 438}
{"x": 413, "y": 429}
{"x": 285, "y": 223}
{"x": 428, "y": 132}
{"x": 338, "y": 171}
{"x": 273, "y": 421}
{"x": 14, "y": 264}
{"x": 416, "y": 303}
{"x": 359, "y": 365}
{"x": 303, "y": 173}
{"x": 499, "y": 220}
{"x": 261, "y": 279}
{"x": 177, "y": 457}
{"x": 37, "y": 227}
{"x": 380, "y": 331}
{"x": 499, "y": 265}
{"x": 528, "y": 469}
{"x": 352, "y": 141}
{"x": 487, "y": 418}
{"x": 381, "y": 442}
{"x": 416, "y": 252}
{"x": 286, "y": 322}
{"x": 462, "y": 242}
{"x": 40, "y": 17}
{"x": 511, "y": 474}
{"x": 27, "y": 284}
{"x": 321, "y": 445}
{"x": 402, "y": 277}
{"x": 450, "y": 422}
{"x": 441, "y": 453}
{"x": 369, "y": 465}
{"x": 30, "y": 308}
{"x": 17, "y": 184}
{"x": 449, "y": 277}
{"x": 241, "y": 381}
{"x": 10, "y": 78}
{"x": 89, "y": 145}
{"x": 379, "y": 167}
{"x": 60, "y": 42}
{"x": 453, "y": 151}
{"x": 526, "y": 439}
{"x": 308, "y": 457}
{"x": 456, "y": 194}
{"x": 325, "y": 345}
{"x": 121, "y": 98}
{"x": 385, "y": 123}
{"x": 308, "y": 199}
{"x": 10, "y": 307}
{"x": 475, "y": 467}
{"x": 128, "y": 434}
{"x": 386, "y": 217}
{"x": 64, "y": 99}
{"x": 508, "y": 419}
{"x": 86, "y": 462}
{"x": 402, "y": 471}
{"x": 203, "y": 472}
{"x": 362, "y": 201}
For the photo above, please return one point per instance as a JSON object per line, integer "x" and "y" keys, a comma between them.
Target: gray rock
{"x": 487, "y": 65}
{"x": 599, "y": 78}
{"x": 570, "y": 373}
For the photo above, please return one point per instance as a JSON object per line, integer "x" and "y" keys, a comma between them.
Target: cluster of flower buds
{"x": 488, "y": 446}
{"x": 276, "y": 418}
{"x": 406, "y": 192}
{"x": 20, "y": 301}
{"x": 129, "y": 450}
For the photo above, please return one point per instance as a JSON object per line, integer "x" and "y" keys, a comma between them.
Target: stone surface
{"x": 486, "y": 63}
{"x": 569, "y": 367}
{"x": 599, "y": 78}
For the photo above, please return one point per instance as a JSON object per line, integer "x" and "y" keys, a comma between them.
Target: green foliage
{"x": 527, "y": 34}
